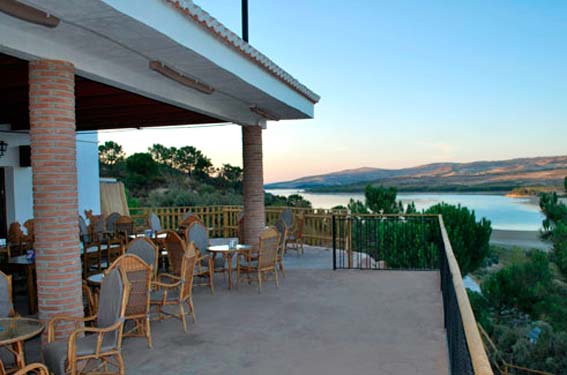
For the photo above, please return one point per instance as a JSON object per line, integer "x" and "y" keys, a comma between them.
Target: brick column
{"x": 253, "y": 184}
{"x": 55, "y": 197}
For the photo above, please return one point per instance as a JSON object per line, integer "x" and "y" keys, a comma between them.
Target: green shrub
{"x": 469, "y": 238}
{"x": 522, "y": 286}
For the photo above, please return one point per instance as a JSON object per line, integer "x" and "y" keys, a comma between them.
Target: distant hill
{"x": 503, "y": 175}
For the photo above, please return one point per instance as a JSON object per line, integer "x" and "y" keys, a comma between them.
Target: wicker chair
{"x": 263, "y": 261}
{"x": 16, "y": 240}
{"x": 15, "y": 351}
{"x": 124, "y": 228}
{"x": 140, "y": 275}
{"x": 101, "y": 347}
{"x": 295, "y": 236}
{"x": 110, "y": 221}
{"x": 188, "y": 220}
{"x": 175, "y": 247}
{"x": 146, "y": 250}
{"x": 89, "y": 306}
{"x": 34, "y": 368}
{"x": 282, "y": 231}
{"x": 287, "y": 216}
{"x": 206, "y": 266}
{"x": 178, "y": 291}
{"x": 111, "y": 248}
{"x": 91, "y": 250}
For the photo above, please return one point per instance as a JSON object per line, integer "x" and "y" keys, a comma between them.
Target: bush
{"x": 469, "y": 238}
{"x": 522, "y": 286}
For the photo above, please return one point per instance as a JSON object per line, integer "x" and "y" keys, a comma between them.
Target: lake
{"x": 504, "y": 212}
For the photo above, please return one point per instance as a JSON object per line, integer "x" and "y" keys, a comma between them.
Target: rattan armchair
{"x": 294, "y": 239}
{"x": 187, "y": 220}
{"x": 177, "y": 290}
{"x": 146, "y": 250}
{"x": 124, "y": 228}
{"x": 282, "y": 231}
{"x": 140, "y": 276}
{"x": 7, "y": 311}
{"x": 287, "y": 216}
{"x": 34, "y": 368}
{"x": 175, "y": 247}
{"x": 206, "y": 265}
{"x": 261, "y": 262}
{"x": 100, "y": 350}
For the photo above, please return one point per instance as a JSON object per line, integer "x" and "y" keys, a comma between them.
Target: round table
{"x": 14, "y": 331}
{"x": 228, "y": 252}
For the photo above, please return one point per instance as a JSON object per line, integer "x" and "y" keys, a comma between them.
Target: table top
{"x": 21, "y": 259}
{"x": 18, "y": 329}
{"x": 228, "y": 249}
{"x": 96, "y": 278}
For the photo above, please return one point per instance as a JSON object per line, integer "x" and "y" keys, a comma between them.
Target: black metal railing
{"x": 415, "y": 242}
{"x": 386, "y": 242}
{"x": 459, "y": 355}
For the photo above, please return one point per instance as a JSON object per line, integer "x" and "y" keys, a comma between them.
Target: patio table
{"x": 22, "y": 261}
{"x": 228, "y": 252}
{"x": 95, "y": 279}
{"x": 14, "y": 331}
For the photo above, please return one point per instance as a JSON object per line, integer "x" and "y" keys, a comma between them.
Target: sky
{"x": 402, "y": 83}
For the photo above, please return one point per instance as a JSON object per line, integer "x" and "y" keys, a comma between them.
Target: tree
{"x": 163, "y": 155}
{"x": 382, "y": 200}
{"x": 565, "y": 184}
{"x": 469, "y": 238}
{"x": 110, "y": 153}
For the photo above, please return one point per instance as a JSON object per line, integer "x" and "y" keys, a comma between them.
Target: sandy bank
{"x": 526, "y": 239}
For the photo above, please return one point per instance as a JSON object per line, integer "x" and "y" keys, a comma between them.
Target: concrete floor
{"x": 318, "y": 322}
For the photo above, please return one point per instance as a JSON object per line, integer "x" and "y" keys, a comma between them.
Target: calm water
{"x": 503, "y": 212}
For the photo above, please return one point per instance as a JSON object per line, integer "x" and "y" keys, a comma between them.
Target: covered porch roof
{"x": 112, "y": 45}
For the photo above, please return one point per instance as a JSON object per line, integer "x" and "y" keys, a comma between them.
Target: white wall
{"x": 87, "y": 172}
{"x": 19, "y": 194}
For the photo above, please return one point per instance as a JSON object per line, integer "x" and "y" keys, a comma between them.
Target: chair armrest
{"x": 100, "y": 335}
{"x": 167, "y": 285}
{"x": 51, "y": 325}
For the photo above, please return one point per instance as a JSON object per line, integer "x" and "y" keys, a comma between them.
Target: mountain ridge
{"x": 489, "y": 174}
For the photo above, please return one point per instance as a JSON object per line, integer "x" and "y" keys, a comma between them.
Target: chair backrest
{"x": 299, "y": 226}
{"x": 176, "y": 248}
{"x": 187, "y": 272}
{"x": 287, "y": 217}
{"x": 146, "y": 250}
{"x": 153, "y": 222}
{"x": 282, "y": 231}
{"x": 268, "y": 245}
{"x": 111, "y": 220}
{"x": 199, "y": 235}
{"x": 240, "y": 228}
{"x": 29, "y": 225}
{"x": 112, "y": 302}
{"x": 15, "y": 234}
{"x": 186, "y": 214}
{"x": 186, "y": 223}
{"x": 83, "y": 230}
{"x": 97, "y": 227}
{"x": 139, "y": 275}
{"x": 124, "y": 225}
{"x": 6, "y": 304}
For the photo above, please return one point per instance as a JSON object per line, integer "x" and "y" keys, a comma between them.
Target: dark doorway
{"x": 3, "y": 224}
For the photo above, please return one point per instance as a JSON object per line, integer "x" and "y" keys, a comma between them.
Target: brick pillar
{"x": 55, "y": 197}
{"x": 253, "y": 184}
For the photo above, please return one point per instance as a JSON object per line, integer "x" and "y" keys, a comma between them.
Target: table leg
{"x": 229, "y": 261}
{"x": 32, "y": 298}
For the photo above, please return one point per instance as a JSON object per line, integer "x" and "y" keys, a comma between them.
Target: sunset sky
{"x": 402, "y": 83}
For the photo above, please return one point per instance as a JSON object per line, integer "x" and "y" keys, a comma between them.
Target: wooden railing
{"x": 223, "y": 220}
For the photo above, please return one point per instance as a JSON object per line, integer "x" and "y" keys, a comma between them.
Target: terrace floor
{"x": 318, "y": 322}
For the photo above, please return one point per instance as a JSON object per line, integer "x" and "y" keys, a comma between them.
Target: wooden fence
{"x": 223, "y": 220}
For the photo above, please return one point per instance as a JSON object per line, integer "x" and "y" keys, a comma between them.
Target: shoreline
{"x": 519, "y": 238}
